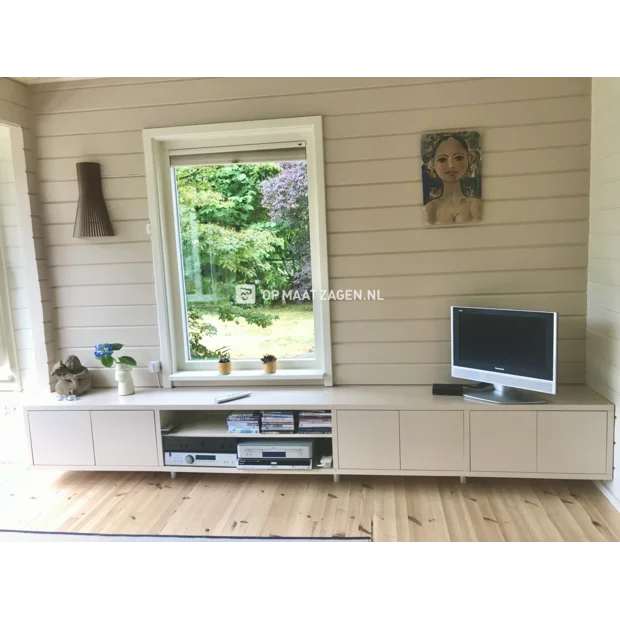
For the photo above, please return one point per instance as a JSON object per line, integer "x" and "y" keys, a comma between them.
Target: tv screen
{"x": 511, "y": 342}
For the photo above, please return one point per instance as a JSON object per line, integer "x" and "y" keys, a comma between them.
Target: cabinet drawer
{"x": 431, "y": 440}
{"x": 572, "y": 442}
{"x": 61, "y": 437}
{"x": 503, "y": 440}
{"x": 124, "y": 438}
{"x": 368, "y": 440}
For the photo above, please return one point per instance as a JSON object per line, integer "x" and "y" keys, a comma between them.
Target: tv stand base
{"x": 500, "y": 395}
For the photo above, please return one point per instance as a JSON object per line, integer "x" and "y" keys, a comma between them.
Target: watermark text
{"x": 246, "y": 294}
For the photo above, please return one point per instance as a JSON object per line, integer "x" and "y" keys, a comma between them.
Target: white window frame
{"x": 9, "y": 371}
{"x": 158, "y": 143}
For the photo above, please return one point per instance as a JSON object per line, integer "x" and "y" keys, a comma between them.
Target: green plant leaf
{"x": 125, "y": 359}
{"x": 116, "y": 346}
{"x": 107, "y": 361}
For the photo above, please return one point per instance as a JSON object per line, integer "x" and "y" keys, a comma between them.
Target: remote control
{"x": 229, "y": 397}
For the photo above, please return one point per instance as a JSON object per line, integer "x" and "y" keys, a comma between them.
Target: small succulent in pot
{"x": 269, "y": 363}
{"x": 224, "y": 365}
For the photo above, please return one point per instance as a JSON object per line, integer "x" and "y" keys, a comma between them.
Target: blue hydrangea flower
{"x": 101, "y": 350}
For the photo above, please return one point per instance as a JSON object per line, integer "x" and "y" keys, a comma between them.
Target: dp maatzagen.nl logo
{"x": 246, "y": 294}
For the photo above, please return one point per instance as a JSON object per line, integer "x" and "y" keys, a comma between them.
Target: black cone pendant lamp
{"x": 91, "y": 219}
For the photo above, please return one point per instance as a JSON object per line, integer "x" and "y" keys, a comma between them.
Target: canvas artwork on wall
{"x": 452, "y": 177}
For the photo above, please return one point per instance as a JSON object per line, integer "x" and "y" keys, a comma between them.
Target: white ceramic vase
{"x": 125, "y": 380}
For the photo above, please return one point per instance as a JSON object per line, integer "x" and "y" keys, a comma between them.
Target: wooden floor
{"x": 388, "y": 509}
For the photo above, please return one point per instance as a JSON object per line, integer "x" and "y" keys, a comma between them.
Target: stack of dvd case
{"x": 315, "y": 422}
{"x": 246, "y": 422}
{"x": 278, "y": 422}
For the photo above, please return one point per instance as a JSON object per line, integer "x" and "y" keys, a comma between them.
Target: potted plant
{"x": 123, "y": 366}
{"x": 269, "y": 363}
{"x": 224, "y": 365}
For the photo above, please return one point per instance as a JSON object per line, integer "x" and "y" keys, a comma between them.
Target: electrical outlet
{"x": 155, "y": 366}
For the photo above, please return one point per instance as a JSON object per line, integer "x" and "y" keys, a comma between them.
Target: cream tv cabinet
{"x": 404, "y": 431}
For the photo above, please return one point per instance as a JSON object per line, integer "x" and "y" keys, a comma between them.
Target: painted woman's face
{"x": 451, "y": 161}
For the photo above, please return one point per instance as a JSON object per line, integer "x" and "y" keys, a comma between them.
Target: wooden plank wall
{"x": 603, "y": 315}
{"x": 529, "y": 252}
{"x": 603, "y": 335}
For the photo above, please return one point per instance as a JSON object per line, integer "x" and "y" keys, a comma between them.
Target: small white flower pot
{"x": 125, "y": 380}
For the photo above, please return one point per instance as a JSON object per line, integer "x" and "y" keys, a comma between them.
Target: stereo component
{"x": 269, "y": 463}
{"x": 203, "y": 445}
{"x": 277, "y": 449}
{"x": 200, "y": 459}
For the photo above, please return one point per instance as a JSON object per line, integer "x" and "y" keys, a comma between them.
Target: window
{"x": 5, "y": 369}
{"x": 9, "y": 378}
{"x": 238, "y": 223}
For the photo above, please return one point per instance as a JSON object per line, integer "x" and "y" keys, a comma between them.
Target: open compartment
{"x": 200, "y": 439}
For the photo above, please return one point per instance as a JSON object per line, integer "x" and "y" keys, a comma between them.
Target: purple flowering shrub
{"x": 286, "y": 196}
{"x": 286, "y": 199}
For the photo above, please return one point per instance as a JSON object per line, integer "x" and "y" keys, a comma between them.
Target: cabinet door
{"x": 61, "y": 437}
{"x": 503, "y": 440}
{"x": 431, "y": 440}
{"x": 572, "y": 442}
{"x": 124, "y": 438}
{"x": 368, "y": 440}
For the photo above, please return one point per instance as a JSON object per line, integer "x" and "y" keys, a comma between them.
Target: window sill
{"x": 252, "y": 377}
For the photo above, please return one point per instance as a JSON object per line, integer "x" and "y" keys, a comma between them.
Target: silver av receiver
{"x": 198, "y": 459}
{"x": 195, "y": 451}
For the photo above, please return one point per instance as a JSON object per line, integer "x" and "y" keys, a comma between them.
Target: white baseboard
{"x": 613, "y": 500}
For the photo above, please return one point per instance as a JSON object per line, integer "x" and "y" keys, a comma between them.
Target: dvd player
{"x": 275, "y": 449}
{"x": 270, "y": 463}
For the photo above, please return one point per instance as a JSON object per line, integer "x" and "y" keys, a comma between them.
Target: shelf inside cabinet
{"x": 214, "y": 425}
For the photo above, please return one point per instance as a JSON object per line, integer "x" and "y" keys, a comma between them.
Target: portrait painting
{"x": 452, "y": 177}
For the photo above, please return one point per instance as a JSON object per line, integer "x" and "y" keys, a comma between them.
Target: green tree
{"x": 225, "y": 241}
{"x": 240, "y": 256}
{"x": 229, "y": 196}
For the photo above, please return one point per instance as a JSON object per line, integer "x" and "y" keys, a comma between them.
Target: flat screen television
{"x": 513, "y": 350}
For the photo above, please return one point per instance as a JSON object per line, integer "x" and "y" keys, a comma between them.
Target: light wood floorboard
{"x": 386, "y": 508}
